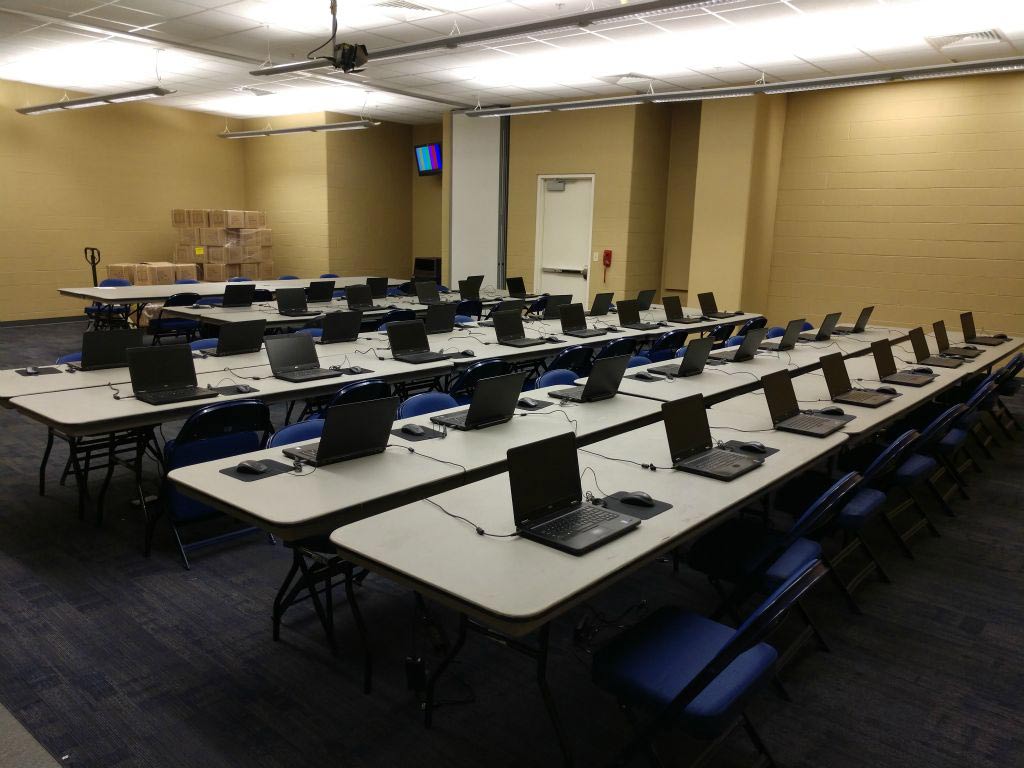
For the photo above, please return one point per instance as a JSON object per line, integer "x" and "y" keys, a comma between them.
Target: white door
{"x": 565, "y": 207}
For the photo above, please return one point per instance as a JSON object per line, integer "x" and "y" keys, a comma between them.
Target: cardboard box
{"x": 252, "y": 219}
{"x": 266, "y": 254}
{"x": 232, "y": 254}
{"x": 248, "y": 237}
{"x": 266, "y": 237}
{"x": 228, "y": 219}
{"x": 190, "y": 254}
{"x": 252, "y": 271}
{"x": 122, "y": 272}
{"x": 189, "y": 236}
{"x": 262, "y": 219}
{"x": 232, "y": 270}
{"x": 179, "y": 217}
{"x": 213, "y": 236}
{"x": 267, "y": 270}
{"x": 198, "y": 218}
{"x": 213, "y": 254}
{"x": 251, "y": 254}
{"x": 215, "y": 273}
{"x": 186, "y": 272}
{"x": 154, "y": 273}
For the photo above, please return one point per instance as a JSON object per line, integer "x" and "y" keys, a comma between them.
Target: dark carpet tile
{"x": 121, "y": 661}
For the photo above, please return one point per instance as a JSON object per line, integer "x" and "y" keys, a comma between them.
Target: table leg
{"x": 45, "y": 461}
{"x": 357, "y": 615}
{"x": 460, "y": 640}
{"x": 545, "y": 692}
{"x": 106, "y": 481}
{"x": 80, "y": 479}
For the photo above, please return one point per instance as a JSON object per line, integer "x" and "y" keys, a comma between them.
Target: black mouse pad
{"x": 350, "y": 372}
{"x": 644, "y": 513}
{"x": 734, "y": 445}
{"x": 231, "y": 389}
{"x": 540, "y": 406}
{"x": 655, "y": 380}
{"x": 428, "y": 434}
{"x": 45, "y": 371}
{"x": 273, "y": 468}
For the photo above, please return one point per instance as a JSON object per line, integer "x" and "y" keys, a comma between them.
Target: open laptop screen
{"x": 290, "y": 299}
{"x": 708, "y": 305}
{"x": 239, "y": 294}
{"x": 543, "y": 476}
{"x": 644, "y": 299}
{"x": 508, "y": 325}
{"x": 358, "y": 296}
{"x": 516, "y": 286}
{"x": 378, "y": 287}
{"x": 967, "y": 323}
{"x": 426, "y": 292}
{"x": 288, "y": 352}
{"x": 884, "y": 361}
{"x": 919, "y": 343}
{"x": 673, "y": 307}
{"x": 837, "y": 379}
{"x": 629, "y": 313}
{"x": 778, "y": 391}
{"x": 109, "y": 349}
{"x": 164, "y": 367}
{"x": 320, "y": 291}
{"x": 686, "y": 427}
{"x": 572, "y": 317}
{"x": 408, "y": 336}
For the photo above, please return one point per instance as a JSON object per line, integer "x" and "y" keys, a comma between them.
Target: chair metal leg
{"x": 756, "y": 740}
{"x": 279, "y": 597}
{"x": 181, "y": 547}
{"x": 939, "y": 497}
{"x": 850, "y": 601}
{"x": 922, "y": 510}
{"x": 949, "y": 464}
{"x": 45, "y": 461}
{"x": 460, "y": 640}
{"x": 813, "y": 627}
{"x": 307, "y": 579}
{"x": 897, "y": 535}
{"x": 874, "y": 558}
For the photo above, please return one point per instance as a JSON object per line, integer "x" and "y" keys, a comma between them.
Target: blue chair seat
{"x": 185, "y": 508}
{"x": 915, "y": 469}
{"x": 861, "y": 508}
{"x": 795, "y": 559}
{"x": 953, "y": 441}
{"x": 663, "y": 653}
{"x": 96, "y": 309}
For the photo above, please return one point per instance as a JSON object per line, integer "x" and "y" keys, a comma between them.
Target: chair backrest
{"x": 186, "y": 281}
{"x": 394, "y": 316}
{"x": 482, "y": 369}
{"x": 463, "y": 319}
{"x": 314, "y": 332}
{"x": 637, "y": 360}
{"x": 297, "y": 433}
{"x": 670, "y": 340}
{"x": 537, "y": 305}
{"x": 891, "y": 458}
{"x": 681, "y": 352}
{"x": 557, "y": 376}
{"x": 721, "y": 332}
{"x": 181, "y": 300}
{"x": 425, "y": 402}
{"x": 939, "y": 426}
{"x": 470, "y": 307}
{"x": 753, "y": 324}
{"x": 227, "y": 419}
{"x": 982, "y": 391}
{"x": 70, "y": 357}
{"x": 807, "y": 326}
{"x": 734, "y": 341}
{"x": 287, "y": 277}
{"x": 361, "y": 391}
{"x": 574, "y": 359}
{"x": 616, "y": 348}
{"x": 328, "y": 275}
{"x": 115, "y": 282}
{"x": 824, "y": 509}
{"x": 775, "y": 332}
{"x": 240, "y": 280}
{"x": 199, "y": 344}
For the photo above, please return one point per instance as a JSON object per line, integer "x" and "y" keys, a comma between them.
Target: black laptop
{"x": 942, "y": 341}
{"x": 240, "y": 338}
{"x": 824, "y": 332}
{"x": 291, "y": 302}
{"x": 320, "y": 291}
{"x": 508, "y": 329}
{"x": 693, "y": 360}
{"x": 516, "y": 287}
{"x": 427, "y": 293}
{"x": 788, "y": 339}
{"x": 378, "y": 287}
{"x": 351, "y": 430}
{"x": 645, "y": 298}
{"x": 746, "y": 349}
{"x": 108, "y": 349}
{"x": 709, "y": 307}
{"x": 574, "y": 322}
{"x": 359, "y": 297}
{"x": 924, "y": 356}
{"x": 629, "y": 316}
{"x": 506, "y": 305}
{"x": 603, "y": 382}
{"x": 886, "y": 365}
{"x": 468, "y": 290}
{"x": 602, "y": 304}
{"x": 859, "y": 326}
{"x": 165, "y": 374}
{"x": 477, "y": 281}
{"x": 785, "y": 410}
{"x": 341, "y": 326}
{"x": 547, "y": 499}
{"x": 238, "y": 295}
{"x": 554, "y": 304}
{"x": 692, "y": 447}
{"x": 971, "y": 336}
{"x": 840, "y": 388}
{"x": 494, "y": 401}
{"x": 293, "y": 358}
{"x": 674, "y": 311}
{"x": 409, "y": 344}
{"x": 440, "y": 318}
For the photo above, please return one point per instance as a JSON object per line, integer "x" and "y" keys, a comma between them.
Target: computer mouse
{"x": 412, "y": 429}
{"x": 1001, "y": 336}
{"x": 612, "y": 327}
{"x": 251, "y": 467}
{"x": 970, "y": 346}
{"x": 468, "y": 353}
{"x": 528, "y": 402}
{"x": 753, "y": 447}
{"x": 637, "y": 499}
{"x": 921, "y": 369}
{"x": 31, "y": 371}
{"x": 553, "y": 339}
{"x": 832, "y": 410}
{"x": 244, "y": 389}
{"x": 645, "y": 376}
{"x": 662, "y": 324}
{"x": 887, "y": 390}
{"x": 357, "y": 369}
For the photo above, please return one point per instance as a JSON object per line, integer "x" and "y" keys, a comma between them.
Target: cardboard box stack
{"x": 220, "y": 244}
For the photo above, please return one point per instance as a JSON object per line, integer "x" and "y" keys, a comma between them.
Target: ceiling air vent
{"x": 406, "y": 10}
{"x": 948, "y": 43}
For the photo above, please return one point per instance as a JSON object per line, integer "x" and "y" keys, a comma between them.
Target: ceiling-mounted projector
{"x": 349, "y": 57}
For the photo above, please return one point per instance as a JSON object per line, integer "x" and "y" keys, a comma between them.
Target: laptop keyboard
{"x": 712, "y": 460}
{"x": 418, "y": 357}
{"x": 453, "y": 419}
{"x": 315, "y": 373}
{"x": 855, "y": 395}
{"x": 572, "y": 393}
{"x": 810, "y": 423}
{"x": 906, "y": 378}
{"x": 176, "y": 395}
{"x": 583, "y": 519}
{"x": 585, "y": 332}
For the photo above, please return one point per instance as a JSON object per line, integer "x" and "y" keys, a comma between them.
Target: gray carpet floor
{"x": 115, "y": 660}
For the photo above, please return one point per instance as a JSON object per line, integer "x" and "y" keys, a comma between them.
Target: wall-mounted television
{"x": 428, "y": 159}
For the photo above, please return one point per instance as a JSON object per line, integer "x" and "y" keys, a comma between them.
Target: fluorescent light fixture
{"x": 573, "y": 107}
{"x": 98, "y": 101}
{"x": 351, "y": 125}
{"x": 824, "y": 86}
{"x": 669, "y": 98}
{"x": 983, "y": 70}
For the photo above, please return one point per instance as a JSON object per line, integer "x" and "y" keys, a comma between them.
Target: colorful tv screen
{"x": 428, "y": 159}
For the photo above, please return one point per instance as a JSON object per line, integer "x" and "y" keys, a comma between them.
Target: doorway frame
{"x": 539, "y": 234}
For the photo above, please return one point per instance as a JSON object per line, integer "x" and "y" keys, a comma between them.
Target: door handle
{"x": 565, "y": 271}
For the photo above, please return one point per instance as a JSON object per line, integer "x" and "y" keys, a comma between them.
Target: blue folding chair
{"x": 424, "y": 403}
{"x": 108, "y": 315}
{"x": 681, "y": 670}
{"x": 329, "y": 276}
{"x": 186, "y": 281}
{"x": 753, "y": 324}
{"x": 240, "y": 280}
{"x": 163, "y": 326}
{"x": 807, "y": 326}
{"x": 557, "y": 376}
{"x": 70, "y": 357}
{"x": 719, "y": 334}
{"x": 638, "y": 360}
{"x": 663, "y": 347}
{"x": 394, "y": 316}
{"x": 298, "y": 432}
{"x": 464, "y": 384}
{"x": 733, "y": 341}
{"x": 214, "y": 432}
{"x": 316, "y": 333}
{"x": 775, "y": 332}
{"x": 200, "y": 344}
{"x": 472, "y": 307}
{"x": 616, "y": 348}
{"x": 287, "y": 277}
{"x": 576, "y": 359}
